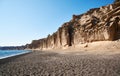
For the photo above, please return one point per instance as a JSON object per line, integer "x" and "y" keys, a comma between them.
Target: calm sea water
{"x": 10, "y": 53}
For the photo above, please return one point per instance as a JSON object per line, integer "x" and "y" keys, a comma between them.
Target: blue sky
{"x": 22, "y": 21}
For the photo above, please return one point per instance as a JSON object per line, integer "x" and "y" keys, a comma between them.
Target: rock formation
{"x": 98, "y": 24}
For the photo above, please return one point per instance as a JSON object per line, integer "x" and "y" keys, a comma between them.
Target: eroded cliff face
{"x": 59, "y": 39}
{"x": 98, "y": 24}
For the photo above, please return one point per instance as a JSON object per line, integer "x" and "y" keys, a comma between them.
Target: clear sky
{"x": 22, "y": 21}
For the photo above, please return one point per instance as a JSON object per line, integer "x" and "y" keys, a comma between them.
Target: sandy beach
{"x": 43, "y": 63}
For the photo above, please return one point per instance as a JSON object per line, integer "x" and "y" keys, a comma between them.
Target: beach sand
{"x": 44, "y": 63}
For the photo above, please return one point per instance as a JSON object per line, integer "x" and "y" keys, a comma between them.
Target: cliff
{"x": 98, "y": 24}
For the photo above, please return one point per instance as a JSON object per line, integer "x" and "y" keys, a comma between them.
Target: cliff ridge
{"x": 98, "y": 24}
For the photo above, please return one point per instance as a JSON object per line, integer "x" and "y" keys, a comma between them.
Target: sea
{"x": 10, "y": 53}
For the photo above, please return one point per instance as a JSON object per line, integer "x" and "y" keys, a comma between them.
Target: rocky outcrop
{"x": 59, "y": 39}
{"x": 98, "y": 24}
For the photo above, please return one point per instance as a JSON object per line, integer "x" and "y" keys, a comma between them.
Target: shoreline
{"x": 13, "y": 53}
{"x": 8, "y": 59}
{"x": 46, "y": 63}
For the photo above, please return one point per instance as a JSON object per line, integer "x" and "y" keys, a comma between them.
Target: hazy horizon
{"x": 22, "y": 21}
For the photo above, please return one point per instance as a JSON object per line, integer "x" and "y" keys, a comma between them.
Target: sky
{"x": 22, "y": 21}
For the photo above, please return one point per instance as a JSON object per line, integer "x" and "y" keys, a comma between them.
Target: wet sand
{"x": 61, "y": 64}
